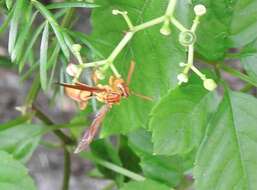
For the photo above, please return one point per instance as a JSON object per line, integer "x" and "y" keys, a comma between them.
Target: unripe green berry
{"x": 199, "y": 10}
{"x": 209, "y": 84}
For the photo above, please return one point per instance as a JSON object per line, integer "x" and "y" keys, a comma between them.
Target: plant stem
{"x": 148, "y": 24}
{"x": 247, "y": 88}
{"x": 40, "y": 115}
{"x": 113, "y": 167}
{"x": 237, "y": 74}
{"x": 33, "y": 92}
{"x": 178, "y": 24}
{"x": 66, "y": 170}
{"x": 171, "y": 8}
{"x": 120, "y": 46}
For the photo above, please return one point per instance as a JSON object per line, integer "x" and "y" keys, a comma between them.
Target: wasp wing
{"x": 92, "y": 130}
{"x": 84, "y": 87}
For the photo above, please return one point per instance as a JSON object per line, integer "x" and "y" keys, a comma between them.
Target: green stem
{"x": 177, "y": 24}
{"x": 237, "y": 74}
{"x": 233, "y": 55}
{"x": 40, "y": 115}
{"x": 93, "y": 64}
{"x": 195, "y": 24}
{"x": 120, "y": 46}
{"x": 113, "y": 167}
{"x": 171, "y": 8}
{"x": 148, "y": 24}
{"x": 67, "y": 170}
{"x": 33, "y": 92}
{"x": 247, "y": 88}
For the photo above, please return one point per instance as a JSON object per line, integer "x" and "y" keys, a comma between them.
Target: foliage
{"x": 190, "y": 135}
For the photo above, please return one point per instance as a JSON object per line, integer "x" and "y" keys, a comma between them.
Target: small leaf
{"x": 6, "y": 22}
{"x": 23, "y": 35}
{"x": 13, "y": 175}
{"x": 147, "y": 185}
{"x": 9, "y": 4}
{"x": 62, "y": 5}
{"x": 243, "y": 27}
{"x": 14, "y": 122}
{"x": 179, "y": 120}
{"x": 165, "y": 169}
{"x": 26, "y": 139}
{"x": 104, "y": 150}
{"x": 19, "y": 8}
{"x": 56, "y": 28}
{"x": 43, "y": 57}
{"x": 30, "y": 45}
{"x": 227, "y": 156}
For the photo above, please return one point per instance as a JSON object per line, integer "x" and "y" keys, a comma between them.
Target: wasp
{"x": 110, "y": 95}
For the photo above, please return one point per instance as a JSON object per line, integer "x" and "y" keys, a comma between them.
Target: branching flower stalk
{"x": 187, "y": 38}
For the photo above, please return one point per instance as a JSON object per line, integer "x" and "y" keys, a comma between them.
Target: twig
{"x": 66, "y": 170}
{"x": 46, "y": 120}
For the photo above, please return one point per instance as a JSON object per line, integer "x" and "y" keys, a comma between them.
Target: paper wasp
{"x": 108, "y": 94}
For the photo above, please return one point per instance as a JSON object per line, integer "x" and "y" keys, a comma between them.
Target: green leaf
{"x": 18, "y": 10}
{"x": 104, "y": 150}
{"x": 14, "y": 122}
{"x": 13, "y": 175}
{"x": 165, "y": 169}
{"x": 6, "y": 21}
{"x": 179, "y": 120}
{"x": 249, "y": 59}
{"x": 23, "y": 34}
{"x": 20, "y": 140}
{"x": 157, "y": 58}
{"x": 227, "y": 24}
{"x": 62, "y": 5}
{"x": 147, "y": 184}
{"x": 227, "y": 156}
{"x": 30, "y": 45}
{"x": 212, "y": 32}
{"x": 243, "y": 27}
{"x": 9, "y": 4}
{"x": 127, "y": 156}
{"x": 56, "y": 28}
{"x": 43, "y": 57}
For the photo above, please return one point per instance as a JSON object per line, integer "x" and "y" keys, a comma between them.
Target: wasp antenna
{"x": 142, "y": 96}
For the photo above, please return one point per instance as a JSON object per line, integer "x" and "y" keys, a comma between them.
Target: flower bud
{"x": 72, "y": 69}
{"x": 209, "y": 84}
{"x": 182, "y": 78}
{"x": 199, "y": 10}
